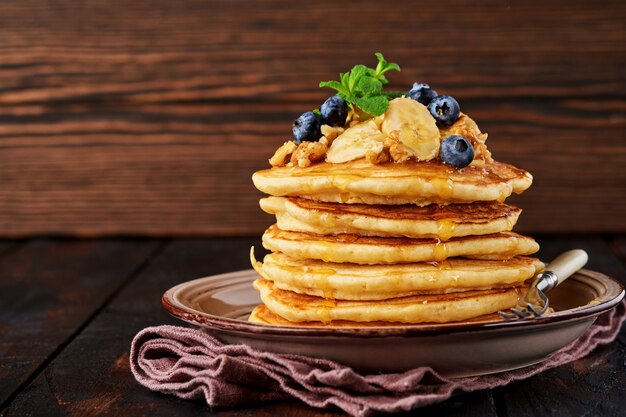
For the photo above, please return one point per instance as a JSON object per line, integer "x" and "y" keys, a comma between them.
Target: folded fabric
{"x": 189, "y": 363}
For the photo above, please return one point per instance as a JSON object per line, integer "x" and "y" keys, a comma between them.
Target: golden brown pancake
{"x": 263, "y": 315}
{"x": 436, "y": 308}
{"x": 409, "y": 220}
{"x": 420, "y": 183}
{"x": 348, "y": 281}
{"x": 392, "y": 250}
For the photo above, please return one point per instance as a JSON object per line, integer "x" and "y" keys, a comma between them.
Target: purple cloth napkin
{"x": 189, "y": 363}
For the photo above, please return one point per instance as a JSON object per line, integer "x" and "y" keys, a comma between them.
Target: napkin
{"x": 189, "y": 363}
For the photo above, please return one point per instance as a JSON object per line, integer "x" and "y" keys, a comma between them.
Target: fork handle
{"x": 567, "y": 264}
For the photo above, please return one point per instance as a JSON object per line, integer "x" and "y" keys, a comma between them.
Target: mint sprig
{"x": 362, "y": 87}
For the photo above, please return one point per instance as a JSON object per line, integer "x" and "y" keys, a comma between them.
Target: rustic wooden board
{"x": 148, "y": 119}
{"x": 92, "y": 377}
{"x": 51, "y": 288}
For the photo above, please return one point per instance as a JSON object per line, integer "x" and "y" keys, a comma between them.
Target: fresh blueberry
{"x": 307, "y": 127}
{"x": 334, "y": 111}
{"x": 456, "y": 151}
{"x": 445, "y": 110}
{"x": 422, "y": 93}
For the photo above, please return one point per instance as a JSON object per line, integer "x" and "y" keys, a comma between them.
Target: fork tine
{"x": 519, "y": 313}
{"x": 537, "y": 311}
{"x": 507, "y": 316}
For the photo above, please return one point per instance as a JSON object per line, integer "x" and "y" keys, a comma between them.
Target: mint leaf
{"x": 384, "y": 66}
{"x": 374, "y": 105}
{"x": 336, "y": 86}
{"x": 369, "y": 86}
{"x": 344, "y": 77}
{"x": 356, "y": 73}
{"x": 362, "y": 87}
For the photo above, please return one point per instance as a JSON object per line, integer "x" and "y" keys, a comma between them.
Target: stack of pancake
{"x": 361, "y": 244}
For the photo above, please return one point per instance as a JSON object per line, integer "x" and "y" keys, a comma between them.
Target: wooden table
{"x": 70, "y": 308}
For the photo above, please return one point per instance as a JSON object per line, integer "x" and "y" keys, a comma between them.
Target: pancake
{"x": 263, "y": 315}
{"x": 437, "y": 308}
{"x": 378, "y": 282}
{"x": 420, "y": 183}
{"x": 392, "y": 250}
{"x": 443, "y": 222}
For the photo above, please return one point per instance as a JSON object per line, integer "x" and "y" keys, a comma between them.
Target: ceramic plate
{"x": 220, "y": 304}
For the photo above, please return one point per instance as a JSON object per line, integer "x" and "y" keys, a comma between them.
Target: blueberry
{"x": 334, "y": 111}
{"x": 307, "y": 127}
{"x": 445, "y": 110}
{"x": 456, "y": 151}
{"x": 422, "y": 93}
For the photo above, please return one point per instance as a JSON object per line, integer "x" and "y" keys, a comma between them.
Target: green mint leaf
{"x": 362, "y": 87}
{"x": 356, "y": 73}
{"x": 336, "y": 86}
{"x": 316, "y": 111}
{"x": 344, "y": 78}
{"x": 369, "y": 86}
{"x": 382, "y": 62}
{"x": 374, "y": 105}
{"x": 384, "y": 66}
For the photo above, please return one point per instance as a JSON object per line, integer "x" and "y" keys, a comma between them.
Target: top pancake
{"x": 420, "y": 183}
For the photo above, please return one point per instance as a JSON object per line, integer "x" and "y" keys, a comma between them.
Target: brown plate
{"x": 220, "y": 304}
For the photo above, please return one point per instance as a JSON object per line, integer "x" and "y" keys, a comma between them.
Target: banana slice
{"x": 356, "y": 142}
{"x": 412, "y": 123}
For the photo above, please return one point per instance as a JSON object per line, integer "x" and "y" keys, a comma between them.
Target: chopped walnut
{"x": 283, "y": 153}
{"x": 308, "y": 153}
{"x": 400, "y": 153}
{"x": 391, "y": 139}
{"x": 378, "y": 157}
{"x": 331, "y": 133}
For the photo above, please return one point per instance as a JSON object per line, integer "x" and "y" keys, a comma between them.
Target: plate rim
{"x": 206, "y": 320}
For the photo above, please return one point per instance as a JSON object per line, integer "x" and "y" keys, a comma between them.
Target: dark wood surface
{"x": 70, "y": 309}
{"x": 149, "y": 117}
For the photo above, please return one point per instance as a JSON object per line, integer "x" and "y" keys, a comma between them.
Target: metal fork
{"x": 535, "y": 302}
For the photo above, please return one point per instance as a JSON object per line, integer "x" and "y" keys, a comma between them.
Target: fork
{"x": 535, "y": 302}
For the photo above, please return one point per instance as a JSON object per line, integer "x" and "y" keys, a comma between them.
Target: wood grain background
{"x": 149, "y": 117}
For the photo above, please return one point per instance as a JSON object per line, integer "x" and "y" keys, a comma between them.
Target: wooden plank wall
{"x": 148, "y": 117}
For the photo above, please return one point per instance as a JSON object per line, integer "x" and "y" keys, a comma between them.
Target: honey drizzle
{"x": 440, "y": 251}
{"x": 321, "y": 282}
{"x": 446, "y": 228}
